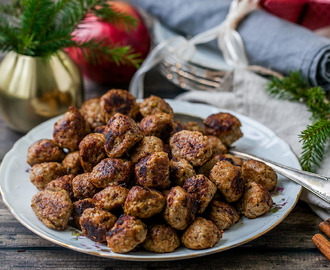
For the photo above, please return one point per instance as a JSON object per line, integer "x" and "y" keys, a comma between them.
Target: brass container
{"x": 34, "y": 89}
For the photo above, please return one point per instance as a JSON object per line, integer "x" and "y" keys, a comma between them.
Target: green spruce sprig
{"x": 43, "y": 27}
{"x": 315, "y": 137}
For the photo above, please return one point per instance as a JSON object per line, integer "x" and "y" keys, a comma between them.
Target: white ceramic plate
{"x": 17, "y": 191}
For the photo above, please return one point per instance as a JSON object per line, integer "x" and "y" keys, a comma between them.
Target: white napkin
{"x": 287, "y": 119}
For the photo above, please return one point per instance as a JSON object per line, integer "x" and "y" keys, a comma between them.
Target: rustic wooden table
{"x": 288, "y": 246}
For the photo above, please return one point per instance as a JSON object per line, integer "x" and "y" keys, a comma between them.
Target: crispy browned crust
{"x": 153, "y": 105}
{"x": 70, "y": 129}
{"x": 194, "y": 126}
{"x": 83, "y": 187}
{"x": 91, "y": 151}
{"x": 180, "y": 171}
{"x": 143, "y": 202}
{"x": 79, "y": 207}
{"x": 53, "y": 207}
{"x": 230, "y": 158}
{"x": 218, "y": 148}
{"x": 160, "y": 125}
{"x": 227, "y": 178}
{"x": 161, "y": 238}
{"x": 225, "y": 126}
{"x": 91, "y": 111}
{"x": 110, "y": 198}
{"x": 121, "y": 134}
{"x": 192, "y": 146}
{"x": 127, "y": 233}
{"x": 95, "y": 224}
{"x": 153, "y": 171}
{"x": 222, "y": 214}
{"x": 148, "y": 145}
{"x": 64, "y": 182}
{"x": 44, "y": 150}
{"x": 111, "y": 172}
{"x": 201, "y": 234}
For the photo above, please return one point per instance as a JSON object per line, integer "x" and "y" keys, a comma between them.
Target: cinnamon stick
{"x": 325, "y": 227}
{"x": 322, "y": 244}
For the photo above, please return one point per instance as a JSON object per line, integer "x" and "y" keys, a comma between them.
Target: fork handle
{"x": 319, "y": 185}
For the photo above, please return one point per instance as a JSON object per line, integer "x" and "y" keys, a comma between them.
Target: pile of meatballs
{"x": 126, "y": 174}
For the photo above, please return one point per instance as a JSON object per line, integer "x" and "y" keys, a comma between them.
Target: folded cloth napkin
{"x": 269, "y": 41}
{"x": 247, "y": 96}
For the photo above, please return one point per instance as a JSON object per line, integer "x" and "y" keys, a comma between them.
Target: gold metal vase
{"x": 34, "y": 89}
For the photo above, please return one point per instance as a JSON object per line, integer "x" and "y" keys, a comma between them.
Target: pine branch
{"x": 318, "y": 103}
{"x": 314, "y": 139}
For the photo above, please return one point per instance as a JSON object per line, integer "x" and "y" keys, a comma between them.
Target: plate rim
{"x": 130, "y": 257}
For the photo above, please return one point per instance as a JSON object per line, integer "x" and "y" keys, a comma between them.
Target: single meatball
{"x": 143, "y": 202}
{"x": 70, "y": 129}
{"x": 218, "y": 148}
{"x": 53, "y": 207}
{"x": 91, "y": 151}
{"x": 127, "y": 233}
{"x": 121, "y": 134}
{"x": 110, "y": 198}
{"x": 201, "y": 234}
{"x": 153, "y": 171}
{"x": 225, "y": 126}
{"x": 194, "y": 126}
{"x": 259, "y": 172}
{"x": 232, "y": 159}
{"x": 78, "y": 208}
{"x": 180, "y": 208}
{"x": 222, "y": 214}
{"x": 160, "y": 125}
{"x": 118, "y": 101}
{"x": 64, "y": 182}
{"x": 41, "y": 174}
{"x": 178, "y": 126}
{"x": 44, "y": 150}
{"x": 207, "y": 167}
{"x": 192, "y": 146}
{"x": 111, "y": 172}
{"x": 95, "y": 224}
{"x": 71, "y": 163}
{"x": 228, "y": 179}
{"x": 83, "y": 187}
{"x": 181, "y": 170}
{"x": 153, "y": 105}
{"x": 148, "y": 145}
{"x": 256, "y": 201}
{"x": 161, "y": 238}
{"x": 202, "y": 189}
{"x": 91, "y": 111}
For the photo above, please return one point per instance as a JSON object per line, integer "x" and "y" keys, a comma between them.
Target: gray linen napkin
{"x": 287, "y": 119}
{"x": 269, "y": 41}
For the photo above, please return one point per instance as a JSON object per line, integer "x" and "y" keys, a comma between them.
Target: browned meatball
{"x": 64, "y": 182}
{"x": 41, "y": 174}
{"x": 202, "y": 189}
{"x": 127, "y": 233}
{"x": 100, "y": 129}
{"x": 153, "y": 171}
{"x": 160, "y": 125}
{"x": 143, "y": 202}
{"x": 121, "y": 134}
{"x": 259, "y": 172}
{"x": 79, "y": 207}
{"x": 201, "y": 234}
{"x": 222, "y": 214}
{"x": 228, "y": 179}
{"x": 110, "y": 198}
{"x": 232, "y": 159}
{"x": 91, "y": 111}
{"x": 148, "y": 145}
{"x": 44, "y": 150}
{"x": 180, "y": 208}
{"x": 218, "y": 148}
{"x": 111, "y": 172}
{"x": 192, "y": 146}
{"x": 178, "y": 126}
{"x": 161, "y": 238}
{"x": 53, "y": 207}
{"x": 256, "y": 201}
{"x": 118, "y": 101}
{"x": 194, "y": 126}
{"x": 207, "y": 167}
{"x": 95, "y": 224}
{"x": 83, "y": 187}
{"x": 70, "y": 129}
{"x": 225, "y": 126}
{"x": 181, "y": 170}
{"x": 71, "y": 163}
{"x": 154, "y": 105}
{"x": 91, "y": 151}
